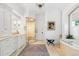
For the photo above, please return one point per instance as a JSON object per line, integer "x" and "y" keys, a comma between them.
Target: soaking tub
{"x": 70, "y": 47}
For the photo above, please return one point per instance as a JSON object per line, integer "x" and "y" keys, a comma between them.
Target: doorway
{"x": 31, "y": 30}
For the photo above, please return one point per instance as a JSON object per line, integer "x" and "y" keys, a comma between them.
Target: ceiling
{"x": 25, "y": 8}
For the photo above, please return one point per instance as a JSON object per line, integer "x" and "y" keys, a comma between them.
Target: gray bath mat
{"x": 35, "y": 50}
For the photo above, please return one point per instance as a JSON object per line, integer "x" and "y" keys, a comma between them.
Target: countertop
{"x": 3, "y": 37}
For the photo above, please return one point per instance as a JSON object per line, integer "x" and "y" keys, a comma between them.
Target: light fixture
{"x": 40, "y": 5}
{"x": 31, "y": 19}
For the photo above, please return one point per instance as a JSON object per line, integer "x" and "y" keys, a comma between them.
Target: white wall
{"x": 50, "y": 12}
{"x": 42, "y": 19}
{"x": 40, "y": 25}
{"x": 43, "y": 16}
{"x": 55, "y": 16}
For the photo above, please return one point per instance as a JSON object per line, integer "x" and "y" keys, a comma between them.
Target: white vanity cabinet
{"x": 21, "y": 41}
{"x": 24, "y": 39}
{"x": 8, "y": 46}
{"x": 14, "y": 45}
{"x": 16, "y": 42}
{"x": 5, "y": 47}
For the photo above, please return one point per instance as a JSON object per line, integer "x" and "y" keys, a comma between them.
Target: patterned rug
{"x": 35, "y": 50}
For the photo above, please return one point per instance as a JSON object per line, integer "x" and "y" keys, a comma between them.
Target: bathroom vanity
{"x": 12, "y": 45}
{"x": 12, "y": 33}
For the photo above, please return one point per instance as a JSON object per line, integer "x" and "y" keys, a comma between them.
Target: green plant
{"x": 69, "y": 36}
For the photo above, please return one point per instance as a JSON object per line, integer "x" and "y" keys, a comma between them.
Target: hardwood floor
{"x": 53, "y": 50}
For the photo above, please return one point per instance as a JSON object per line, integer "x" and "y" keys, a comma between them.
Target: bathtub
{"x": 70, "y": 47}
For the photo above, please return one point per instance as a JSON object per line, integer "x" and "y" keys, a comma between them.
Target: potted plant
{"x": 69, "y": 36}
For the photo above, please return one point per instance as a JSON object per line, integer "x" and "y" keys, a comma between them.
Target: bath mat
{"x": 35, "y": 50}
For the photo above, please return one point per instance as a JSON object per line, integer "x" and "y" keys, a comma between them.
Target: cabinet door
{"x": 15, "y": 42}
{"x": 4, "y": 47}
{"x": 12, "y": 45}
{"x": 21, "y": 41}
{"x": 8, "y": 46}
{"x": 1, "y": 20}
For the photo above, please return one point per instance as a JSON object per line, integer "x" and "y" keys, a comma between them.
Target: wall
{"x": 40, "y": 24}
{"x": 55, "y": 16}
{"x": 49, "y": 12}
{"x": 42, "y": 17}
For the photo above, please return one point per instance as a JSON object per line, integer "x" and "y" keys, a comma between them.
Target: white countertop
{"x": 3, "y": 37}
